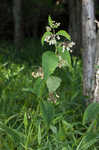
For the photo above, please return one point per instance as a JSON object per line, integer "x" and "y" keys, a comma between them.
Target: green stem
{"x": 56, "y": 49}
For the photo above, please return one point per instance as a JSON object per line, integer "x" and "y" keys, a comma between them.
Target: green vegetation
{"x": 32, "y": 115}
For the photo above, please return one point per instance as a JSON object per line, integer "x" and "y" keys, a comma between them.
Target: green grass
{"x": 27, "y": 123}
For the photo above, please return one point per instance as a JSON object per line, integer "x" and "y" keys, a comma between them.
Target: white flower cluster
{"x": 55, "y": 24}
{"x": 39, "y": 73}
{"x": 52, "y": 39}
{"x": 62, "y": 62}
{"x": 53, "y": 97}
{"x": 67, "y": 46}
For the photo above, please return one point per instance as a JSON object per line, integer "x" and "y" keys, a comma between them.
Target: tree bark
{"x": 89, "y": 47}
{"x": 96, "y": 92}
{"x": 17, "y": 15}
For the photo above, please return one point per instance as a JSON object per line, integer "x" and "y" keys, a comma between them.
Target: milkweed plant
{"x": 63, "y": 44}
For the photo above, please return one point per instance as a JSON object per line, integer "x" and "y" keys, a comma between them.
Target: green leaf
{"x": 97, "y": 67}
{"x": 50, "y": 21}
{"x": 87, "y": 141}
{"x": 92, "y": 126}
{"x": 64, "y": 148}
{"x": 91, "y": 113}
{"x": 49, "y": 63}
{"x": 65, "y": 56}
{"x": 68, "y": 147}
{"x": 64, "y": 33}
{"x": 39, "y": 87}
{"x": 25, "y": 121}
{"x": 61, "y": 133}
{"x": 67, "y": 125}
{"x": 28, "y": 90}
{"x": 44, "y": 36}
{"x": 53, "y": 83}
{"x": 53, "y": 128}
{"x": 39, "y": 134}
{"x": 47, "y": 110}
{"x": 17, "y": 136}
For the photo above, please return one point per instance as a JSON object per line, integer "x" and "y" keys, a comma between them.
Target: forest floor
{"x": 26, "y": 123}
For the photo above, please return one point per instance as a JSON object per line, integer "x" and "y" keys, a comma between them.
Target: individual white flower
{"x": 63, "y": 48}
{"x": 48, "y": 29}
{"x": 60, "y": 58}
{"x": 71, "y": 50}
{"x": 54, "y": 41}
{"x": 34, "y": 75}
{"x": 58, "y": 37}
{"x": 37, "y": 74}
{"x": 57, "y": 2}
{"x": 57, "y": 96}
{"x": 50, "y": 42}
{"x": 58, "y": 24}
{"x": 71, "y": 44}
{"x": 68, "y": 48}
{"x": 47, "y": 38}
{"x": 53, "y": 22}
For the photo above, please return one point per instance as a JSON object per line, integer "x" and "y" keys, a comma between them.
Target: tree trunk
{"x": 75, "y": 23}
{"x": 89, "y": 47}
{"x": 96, "y": 92}
{"x": 17, "y": 15}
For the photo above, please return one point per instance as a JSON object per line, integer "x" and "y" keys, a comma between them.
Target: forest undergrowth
{"x": 28, "y": 123}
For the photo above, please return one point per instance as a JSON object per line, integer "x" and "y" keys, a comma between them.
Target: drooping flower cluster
{"x": 62, "y": 62}
{"x": 52, "y": 39}
{"x": 67, "y": 46}
{"x": 39, "y": 73}
{"x": 53, "y": 97}
{"x": 54, "y": 24}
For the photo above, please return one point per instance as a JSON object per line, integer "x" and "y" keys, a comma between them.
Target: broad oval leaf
{"x": 39, "y": 87}
{"x": 91, "y": 112}
{"x": 44, "y": 36}
{"x": 49, "y": 63}
{"x": 53, "y": 83}
{"x": 64, "y": 33}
